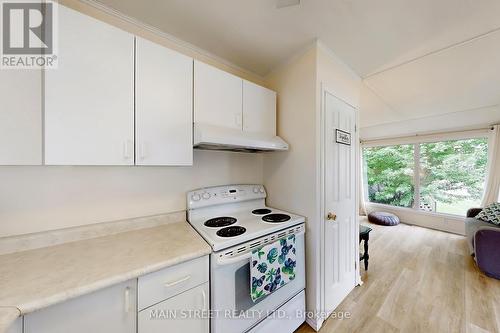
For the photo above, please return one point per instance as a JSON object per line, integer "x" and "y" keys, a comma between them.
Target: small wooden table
{"x": 364, "y": 235}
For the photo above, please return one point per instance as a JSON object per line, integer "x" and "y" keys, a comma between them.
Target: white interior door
{"x": 340, "y": 222}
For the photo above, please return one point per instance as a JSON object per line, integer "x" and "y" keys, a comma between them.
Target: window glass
{"x": 389, "y": 175}
{"x": 452, "y": 175}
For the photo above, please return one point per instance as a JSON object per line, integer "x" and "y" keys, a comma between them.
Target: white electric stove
{"x": 235, "y": 221}
{"x": 230, "y": 215}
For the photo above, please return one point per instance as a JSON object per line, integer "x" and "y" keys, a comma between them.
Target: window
{"x": 452, "y": 175}
{"x": 449, "y": 176}
{"x": 390, "y": 175}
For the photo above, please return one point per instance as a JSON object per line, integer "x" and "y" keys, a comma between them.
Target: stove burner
{"x": 276, "y": 218}
{"x": 231, "y": 231}
{"x": 218, "y": 222}
{"x": 261, "y": 211}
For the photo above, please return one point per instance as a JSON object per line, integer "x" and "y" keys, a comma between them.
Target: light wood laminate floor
{"x": 419, "y": 280}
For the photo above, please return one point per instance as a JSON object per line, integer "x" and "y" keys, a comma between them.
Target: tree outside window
{"x": 390, "y": 175}
{"x": 452, "y": 175}
{"x": 450, "y": 180}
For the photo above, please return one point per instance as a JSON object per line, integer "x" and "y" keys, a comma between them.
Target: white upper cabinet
{"x": 164, "y": 105}
{"x": 217, "y": 97}
{"x": 259, "y": 109}
{"x": 89, "y": 107}
{"x": 21, "y": 117}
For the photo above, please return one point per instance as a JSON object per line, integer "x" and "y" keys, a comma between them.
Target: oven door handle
{"x": 221, "y": 261}
{"x": 232, "y": 260}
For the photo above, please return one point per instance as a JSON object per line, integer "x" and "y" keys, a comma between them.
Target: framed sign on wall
{"x": 342, "y": 137}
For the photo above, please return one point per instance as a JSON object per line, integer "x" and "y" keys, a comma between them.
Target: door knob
{"x": 331, "y": 217}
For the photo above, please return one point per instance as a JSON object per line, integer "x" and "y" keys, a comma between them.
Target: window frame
{"x": 416, "y": 141}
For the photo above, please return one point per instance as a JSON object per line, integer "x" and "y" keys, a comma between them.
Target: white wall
{"x": 34, "y": 199}
{"x": 345, "y": 84}
{"x": 337, "y": 77}
{"x": 292, "y": 177}
{"x": 374, "y": 111}
{"x": 461, "y": 120}
{"x": 443, "y": 222}
{"x": 43, "y": 198}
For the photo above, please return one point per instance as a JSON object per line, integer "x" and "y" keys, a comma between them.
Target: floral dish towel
{"x": 272, "y": 267}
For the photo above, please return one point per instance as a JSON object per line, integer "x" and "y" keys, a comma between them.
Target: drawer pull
{"x": 171, "y": 284}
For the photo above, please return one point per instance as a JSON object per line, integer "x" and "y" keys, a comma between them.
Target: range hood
{"x": 221, "y": 138}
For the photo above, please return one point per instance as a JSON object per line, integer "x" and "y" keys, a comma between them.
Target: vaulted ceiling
{"x": 419, "y": 58}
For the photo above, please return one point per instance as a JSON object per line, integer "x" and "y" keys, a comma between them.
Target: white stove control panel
{"x": 218, "y": 195}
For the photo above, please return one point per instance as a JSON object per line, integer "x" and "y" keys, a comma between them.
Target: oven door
{"x": 233, "y": 310}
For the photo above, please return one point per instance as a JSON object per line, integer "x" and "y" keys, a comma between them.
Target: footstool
{"x": 383, "y": 218}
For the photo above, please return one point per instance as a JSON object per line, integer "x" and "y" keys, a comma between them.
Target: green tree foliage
{"x": 450, "y": 171}
{"x": 390, "y": 175}
{"x": 453, "y": 170}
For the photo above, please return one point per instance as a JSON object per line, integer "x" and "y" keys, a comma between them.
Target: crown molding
{"x": 182, "y": 43}
{"x": 291, "y": 59}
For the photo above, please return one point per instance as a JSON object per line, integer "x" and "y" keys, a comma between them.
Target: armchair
{"x": 484, "y": 243}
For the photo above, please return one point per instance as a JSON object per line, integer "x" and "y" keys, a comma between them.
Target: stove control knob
{"x": 261, "y": 190}
{"x": 195, "y": 197}
{"x": 206, "y": 195}
{"x": 255, "y": 190}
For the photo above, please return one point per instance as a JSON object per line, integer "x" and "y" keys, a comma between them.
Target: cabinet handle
{"x": 127, "y": 300}
{"x": 204, "y": 297}
{"x": 171, "y": 284}
{"x": 126, "y": 150}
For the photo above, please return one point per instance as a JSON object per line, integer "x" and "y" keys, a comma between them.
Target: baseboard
{"x": 437, "y": 221}
{"x": 315, "y": 323}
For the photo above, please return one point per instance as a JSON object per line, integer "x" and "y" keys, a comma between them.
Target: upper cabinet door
{"x": 164, "y": 106}
{"x": 259, "y": 109}
{"x": 217, "y": 97}
{"x": 89, "y": 107}
{"x": 21, "y": 117}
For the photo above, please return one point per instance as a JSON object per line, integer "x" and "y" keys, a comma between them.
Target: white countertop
{"x": 35, "y": 279}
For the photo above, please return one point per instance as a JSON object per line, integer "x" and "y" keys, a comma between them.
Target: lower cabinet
{"x": 111, "y": 310}
{"x": 186, "y": 312}
{"x": 16, "y": 326}
{"x": 174, "y": 299}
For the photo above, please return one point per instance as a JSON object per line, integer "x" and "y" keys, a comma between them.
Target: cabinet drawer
{"x": 159, "y": 286}
{"x": 182, "y": 313}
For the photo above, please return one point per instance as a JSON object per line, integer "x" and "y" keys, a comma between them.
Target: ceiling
{"x": 461, "y": 78}
{"x": 418, "y": 57}
{"x": 368, "y": 35}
